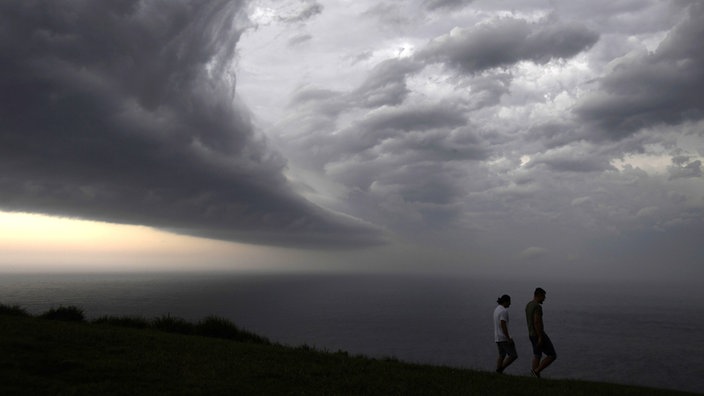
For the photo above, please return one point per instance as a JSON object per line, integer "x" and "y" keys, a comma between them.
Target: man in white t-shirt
{"x": 504, "y": 342}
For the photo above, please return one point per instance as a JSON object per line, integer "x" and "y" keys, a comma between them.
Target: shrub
{"x": 213, "y": 326}
{"x": 171, "y": 324}
{"x": 69, "y": 314}
{"x": 12, "y": 310}
{"x": 136, "y": 322}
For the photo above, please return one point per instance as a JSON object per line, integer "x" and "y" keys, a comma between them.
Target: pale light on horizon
{"x": 36, "y": 242}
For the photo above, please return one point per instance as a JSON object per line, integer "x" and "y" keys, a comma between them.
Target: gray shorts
{"x": 545, "y": 348}
{"x": 507, "y": 348}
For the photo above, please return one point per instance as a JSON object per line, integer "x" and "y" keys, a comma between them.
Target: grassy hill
{"x": 168, "y": 356}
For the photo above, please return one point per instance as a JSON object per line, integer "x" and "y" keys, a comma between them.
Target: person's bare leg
{"x": 500, "y": 364}
{"x": 545, "y": 363}
{"x": 508, "y": 362}
{"x": 534, "y": 363}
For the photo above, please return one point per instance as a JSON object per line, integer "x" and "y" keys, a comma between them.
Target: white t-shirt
{"x": 500, "y": 313}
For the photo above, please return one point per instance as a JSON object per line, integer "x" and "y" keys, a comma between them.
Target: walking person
{"x": 538, "y": 338}
{"x": 504, "y": 342}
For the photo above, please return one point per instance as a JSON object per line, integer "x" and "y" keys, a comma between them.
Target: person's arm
{"x": 504, "y": 328}
{"x": 538, "y": 324}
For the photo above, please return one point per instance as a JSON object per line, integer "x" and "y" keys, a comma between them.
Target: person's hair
{"x": 503, "y": 299}
{"x": 539, "y": 292}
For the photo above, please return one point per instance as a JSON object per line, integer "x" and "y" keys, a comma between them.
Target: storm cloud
{"x": 126, "y": 112}
{"x": 564, "y": 137}
{"x": 506, "y": 41}
{"x": 532, "y": 134}
{"x": 646, "y": 89}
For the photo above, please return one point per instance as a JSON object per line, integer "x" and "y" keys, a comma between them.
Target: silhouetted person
{"x": 504, "y": 342}
{"x": 538, "y": 338}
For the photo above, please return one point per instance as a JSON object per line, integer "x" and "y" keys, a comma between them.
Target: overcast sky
{"x": 537, "y": 137}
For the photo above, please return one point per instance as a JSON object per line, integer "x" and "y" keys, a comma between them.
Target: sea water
{"x": 627, "y": 333}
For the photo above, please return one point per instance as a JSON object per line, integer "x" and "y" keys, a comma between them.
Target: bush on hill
{"x": 13, "y": 310}
{"x": 68, "y": 314}
{"x": 217, "y": 327}
{"x": 172, "y": 324}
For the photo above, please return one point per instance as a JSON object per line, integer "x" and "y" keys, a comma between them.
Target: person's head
{"x": 504, "y": 300}
{"x": 539, "y": 295}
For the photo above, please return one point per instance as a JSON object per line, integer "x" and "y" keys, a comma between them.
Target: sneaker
{"x": 534, "y": 373}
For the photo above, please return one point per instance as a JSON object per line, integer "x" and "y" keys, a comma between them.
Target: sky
{"x": 516, "y": 138}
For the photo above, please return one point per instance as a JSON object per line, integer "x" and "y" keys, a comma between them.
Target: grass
{"x": 133, "y": 356}
{"x": 135, "y": 322}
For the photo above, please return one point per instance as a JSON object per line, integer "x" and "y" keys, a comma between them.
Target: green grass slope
{"x": 39, "y": 356}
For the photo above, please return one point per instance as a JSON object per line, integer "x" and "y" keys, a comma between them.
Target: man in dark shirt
{"x": 538, "y": 338}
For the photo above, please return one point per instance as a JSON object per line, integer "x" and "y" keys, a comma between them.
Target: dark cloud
{"x": 402, "y": 163}
{"x": 386, "y": 83}
{"x": 311, "y": 9}
{"x": 431, "y": 128}
{"x": 506, "y": 41}
{"x": 553, "y": 133}
{"x": 398, "y": 159}
{"x": 487, "y": 90}
{"x": 299, "y": 39}
{"x": 417, "y": 131}
{"x": 576, "y": 157}
{"x": 649, "y": 89}
{"x": 445, "y": 4}
{"x": 391, "y": 15}
{"x": 419, "y": 195}
{"x": 481, "y": 139}
{"x": 306, "y": 95}
{"x": 567, "y": 164}
{"x": 412, "y": 118}
{"x": 124, "y": 111}
{"x": 683, "y": 167}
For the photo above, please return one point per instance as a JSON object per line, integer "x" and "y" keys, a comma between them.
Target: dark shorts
{"x": 545, "y": 348}
{"x": 507, "y": 348}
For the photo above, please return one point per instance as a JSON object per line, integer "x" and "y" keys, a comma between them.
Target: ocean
{"x": 630, "y": 333}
